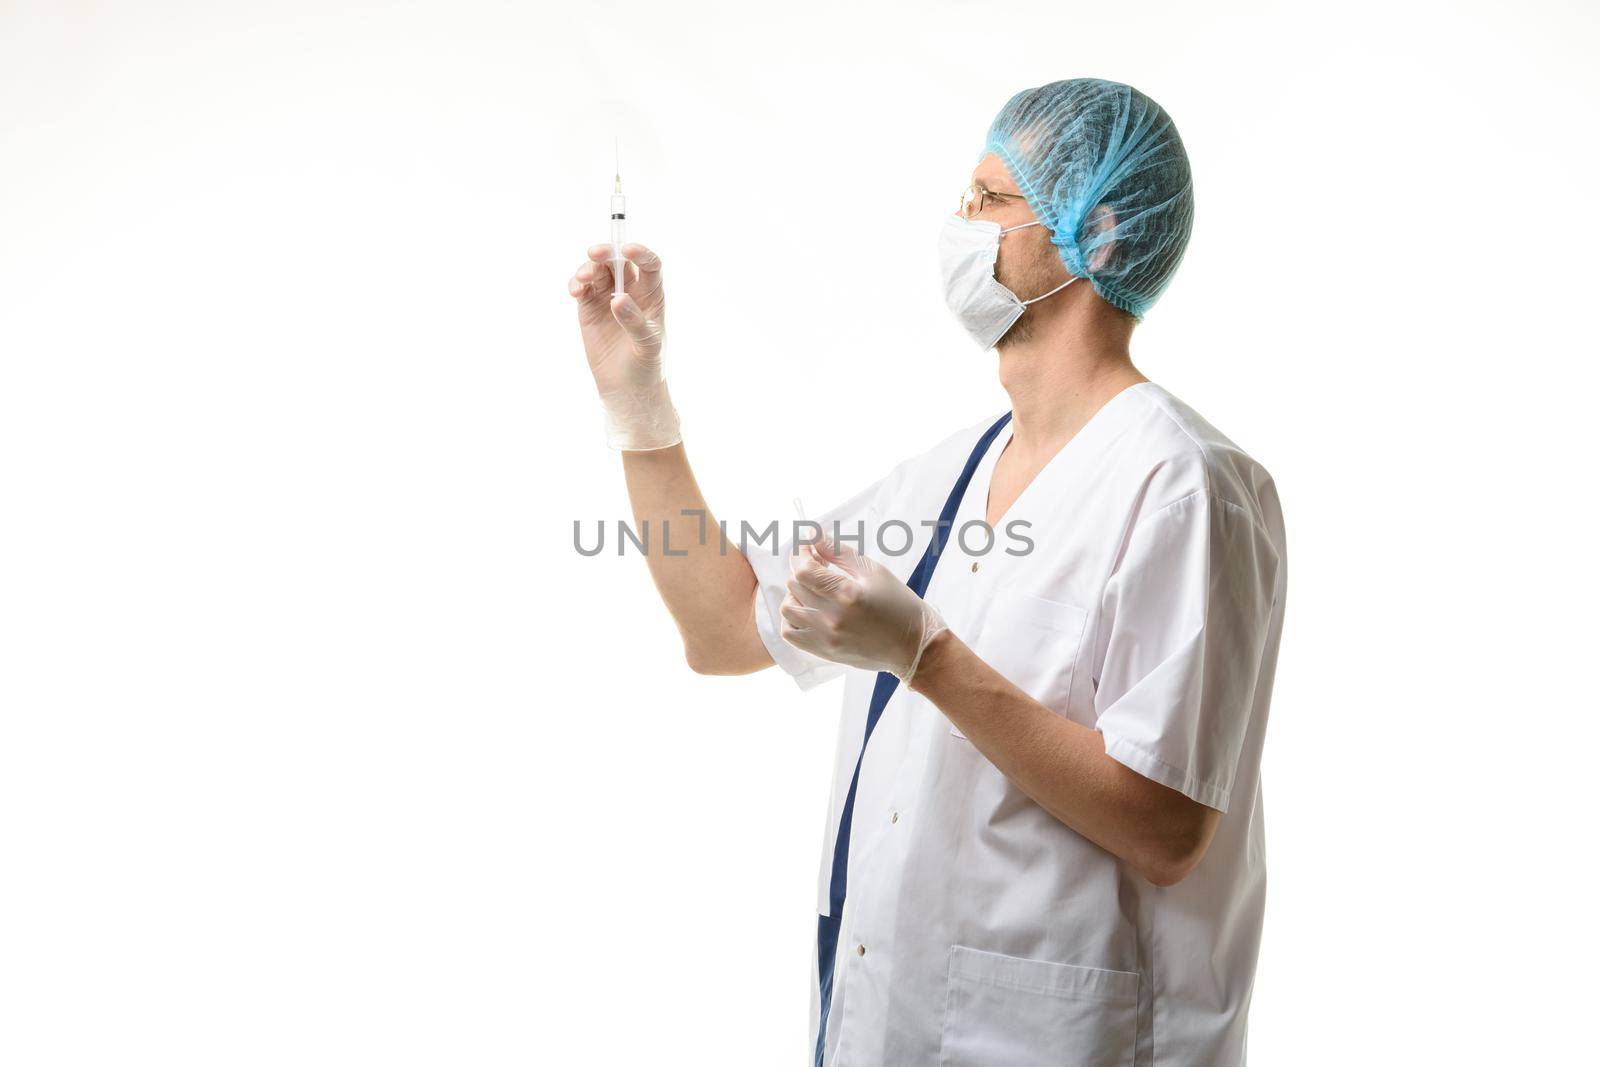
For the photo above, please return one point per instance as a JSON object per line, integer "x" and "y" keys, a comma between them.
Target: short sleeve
{"x": 1184, "y": 623}
{"x": 856, "y": 517}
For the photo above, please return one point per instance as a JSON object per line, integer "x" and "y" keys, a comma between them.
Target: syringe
{"x": 800, "y": 511}
{"x": 619, "y": 215}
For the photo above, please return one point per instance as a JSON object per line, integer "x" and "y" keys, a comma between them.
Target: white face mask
{"x": 967, "y": 251}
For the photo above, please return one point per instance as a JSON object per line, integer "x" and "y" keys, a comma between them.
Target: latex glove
{"x": 856, "y": 612}
{"x": 623, "y": 337}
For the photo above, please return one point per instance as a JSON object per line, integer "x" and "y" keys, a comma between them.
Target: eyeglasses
{"x": 974, "y": 198}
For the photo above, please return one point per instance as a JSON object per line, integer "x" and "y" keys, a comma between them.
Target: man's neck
{"x": 1057, "y": 383}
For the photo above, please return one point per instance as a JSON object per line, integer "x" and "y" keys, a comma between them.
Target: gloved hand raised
{"x": 623, "y": 337}
{"x": 855, "y": 612}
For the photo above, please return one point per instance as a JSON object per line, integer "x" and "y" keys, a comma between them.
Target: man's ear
{"x": 1101, "y": 220}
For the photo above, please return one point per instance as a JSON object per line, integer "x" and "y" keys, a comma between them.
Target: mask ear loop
{"x": 1057, "y": 289}
{"x": 1052, "y": 292}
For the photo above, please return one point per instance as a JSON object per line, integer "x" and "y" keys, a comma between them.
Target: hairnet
{"x": 1103, "y": 168}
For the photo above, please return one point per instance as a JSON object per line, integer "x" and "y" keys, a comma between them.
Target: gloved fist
{"x": 851, "y": 609}
{"x": 623, "y": 337}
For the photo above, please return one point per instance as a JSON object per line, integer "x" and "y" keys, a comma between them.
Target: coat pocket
{"x": 1033, "y": 643}
{"x": 1034, "y": 1013}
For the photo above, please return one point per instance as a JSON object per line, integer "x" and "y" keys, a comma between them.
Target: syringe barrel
{"x": 619, "y": 213}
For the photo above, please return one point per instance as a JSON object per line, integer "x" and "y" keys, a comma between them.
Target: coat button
{"x": 894, "y": 816}
{"x": 861, "y": 950}
{"x": 974, "y": 566}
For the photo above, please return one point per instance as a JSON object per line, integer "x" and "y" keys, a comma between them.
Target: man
{"x": 1045, "y": 842}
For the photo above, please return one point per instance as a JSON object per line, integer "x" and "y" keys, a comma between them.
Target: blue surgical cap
{"x": 1103, "y": 168}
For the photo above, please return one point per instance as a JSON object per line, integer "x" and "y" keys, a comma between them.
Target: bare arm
{"x": 851, "y": 609}
{"x": 1063, "y": 766}
{"x": 709, "y": 589}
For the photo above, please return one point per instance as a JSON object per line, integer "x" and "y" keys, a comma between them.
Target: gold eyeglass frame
{"x": 975, "y": 192}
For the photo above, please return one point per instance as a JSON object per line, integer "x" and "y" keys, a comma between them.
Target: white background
{"x": 321, "y": 744}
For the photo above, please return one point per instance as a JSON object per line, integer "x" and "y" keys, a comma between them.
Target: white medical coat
{"x": 978, "y": 930}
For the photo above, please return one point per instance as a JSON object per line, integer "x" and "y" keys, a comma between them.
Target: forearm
{"x": 1063, "y": 765}
{"x": 708, "y": 588}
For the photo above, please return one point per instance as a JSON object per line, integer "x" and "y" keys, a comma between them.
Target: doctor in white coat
{"x": 1045, "y": 842}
